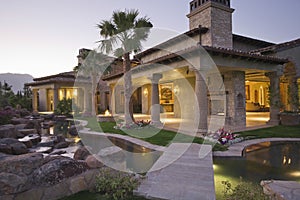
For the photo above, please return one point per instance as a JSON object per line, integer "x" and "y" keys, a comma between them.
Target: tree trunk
{"x": 128, "y": 107}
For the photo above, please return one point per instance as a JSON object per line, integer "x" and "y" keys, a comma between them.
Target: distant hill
{"x": 17, "y": 81}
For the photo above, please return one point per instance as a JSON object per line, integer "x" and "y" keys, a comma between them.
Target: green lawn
{"x": 151, "y": 135}
{"x": 276, "y": 131}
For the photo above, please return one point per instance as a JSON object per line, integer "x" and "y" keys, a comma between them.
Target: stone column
{"x": 293, "y": 97}
{"x": 275, "y": 102}
{"x": 155, "y": 105}
{"x": 201, "y": 94}
{"x": 55, "y": 97}
{"x": 34, "y": 100}
{"x": 234, "y": 82}
{"x": 86, "y": 103}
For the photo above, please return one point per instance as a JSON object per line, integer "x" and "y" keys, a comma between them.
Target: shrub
{"x": 64, "y": 107}
{"x": 243, "y": 191}
{"x": 6, "y": 115}
{"x": 115, "y": 185}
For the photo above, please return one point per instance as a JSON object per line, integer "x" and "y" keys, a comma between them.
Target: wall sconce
{"x": 176, "y": 90}
{"x": 145, "y": 92}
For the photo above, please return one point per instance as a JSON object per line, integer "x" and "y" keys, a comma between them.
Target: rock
{"x": 42, "y": 150}
{"x": 73, "y": 130}
{"x": 16, "y": 121}
{"x": 21, "y": 164}
{"x": 55, "y": 169}
{"x": 20, "y": 126}
{"x": 60, "y": 138}
{"x": 19, "y": 148}
{"x": 12, "y": 183}
{"x": 8, "y": 131}
{"x": 12, "y": 146}
{"x": 58, "y": 152}
{"x": 78, "y": 184}
{"x": 81, "y": 153}
{"x": 30, "y": 140}
{"x": 34, "y": 124}
{"x": 93, "y": 162}
{"x": 27, "y": 131}
{"x": 61, "y": 145}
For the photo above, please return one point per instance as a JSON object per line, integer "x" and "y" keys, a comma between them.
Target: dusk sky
{"x": 42, "y": 37}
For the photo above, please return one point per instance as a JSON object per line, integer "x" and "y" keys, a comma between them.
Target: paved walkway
{"x": 191, "y": 176}
{"x": 236, "y": 150}
{"x": 287, "y": 190}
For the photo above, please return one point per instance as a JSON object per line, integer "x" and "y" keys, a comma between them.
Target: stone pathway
{"x": 287, "y": 190}
{"x": 180, "y": 177}
{"x": 236, "y": 150}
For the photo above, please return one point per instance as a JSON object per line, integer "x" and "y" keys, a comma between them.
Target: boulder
{"x": 20, "y": 126}
{"x": 16, "y": 121}
{"x": 55, "y": 169}
{"x": 12, "y": 146}
{"x": 81, "y": 153}
{"x": 61, "y": 145}
{"x": 34, "y": 124}
{"x": 12, "y": 183}
{"x": 30, "y": 140}
{"x": 73, "y": 130}
{"x": 92, "y": 162}
{"x": 21, "y": 164}
{"x": 8, "y": 131}
{"x": 26, "y": 132}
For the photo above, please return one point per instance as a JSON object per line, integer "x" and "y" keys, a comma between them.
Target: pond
{"x": 271, "y": 160}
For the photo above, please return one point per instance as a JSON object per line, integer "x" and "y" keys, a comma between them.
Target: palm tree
{"x": 125, "y": 31}
{"x": 93, "y": 66}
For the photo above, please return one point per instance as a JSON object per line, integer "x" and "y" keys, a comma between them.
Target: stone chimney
{"x": 216, "y": 15}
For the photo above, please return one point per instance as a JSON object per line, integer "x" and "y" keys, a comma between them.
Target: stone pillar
{"x": 293, "y": 98}
{"x": 155, "y": 105}
{"x": 86, "y": 103}
{"x": 275, "y": 102}
{"x": 201, "y": 94}
{"x": 35, "y": 100}
{"x": 55, "y": 97}
{"x": 234, "y": 82}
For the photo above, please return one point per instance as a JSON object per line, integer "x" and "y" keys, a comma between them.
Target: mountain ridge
{"x": 16, "y": 80}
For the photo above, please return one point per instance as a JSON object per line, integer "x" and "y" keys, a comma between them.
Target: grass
{"x": 152, "y": 135}
{"x": 272, "y": 132}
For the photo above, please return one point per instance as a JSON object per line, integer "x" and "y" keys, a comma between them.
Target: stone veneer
{"x": 235, "y": 91}
{"x": 218, "y": 19}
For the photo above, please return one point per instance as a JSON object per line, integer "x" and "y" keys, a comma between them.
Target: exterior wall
{"x": 218, "y": 19}
{"x": 42, "y": 100}
{"x": 235, "y": 89}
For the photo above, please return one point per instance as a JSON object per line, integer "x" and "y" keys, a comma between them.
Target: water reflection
{"x": 278, "y": 161}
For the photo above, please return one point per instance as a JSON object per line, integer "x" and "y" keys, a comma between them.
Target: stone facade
{"x": 218, "y": 19}
{"x": 234, "y": 82}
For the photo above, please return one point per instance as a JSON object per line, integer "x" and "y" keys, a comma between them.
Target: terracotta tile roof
{"x": 248, "y": 40}
{"x": 217, "y": 50}
{"x": 66, "y": 77}
{"x": 171, "y": 41}
{"x": 279, "y": 47}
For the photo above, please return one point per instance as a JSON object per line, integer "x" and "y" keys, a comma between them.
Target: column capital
{"x": 155, "y": 78}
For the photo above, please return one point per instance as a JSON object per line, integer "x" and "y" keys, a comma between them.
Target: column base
{"x": 273, "y": 122}
{"x": 201, "y": 132}
{"x": 157, "y": 124}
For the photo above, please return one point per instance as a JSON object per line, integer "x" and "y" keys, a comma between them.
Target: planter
{"x": 289, "y": 119}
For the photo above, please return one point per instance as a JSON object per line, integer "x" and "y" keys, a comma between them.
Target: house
{"x": 211, "y": 76}
{"x": 207, "y": 76}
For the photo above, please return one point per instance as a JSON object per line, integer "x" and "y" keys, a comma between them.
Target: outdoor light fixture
{"x": 145, "y": 92}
